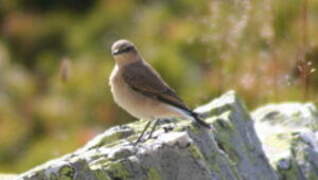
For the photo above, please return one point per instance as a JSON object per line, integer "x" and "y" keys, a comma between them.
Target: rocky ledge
{"x": 273, "y": 142}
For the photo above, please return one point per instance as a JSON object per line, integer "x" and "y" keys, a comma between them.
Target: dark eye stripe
{"x": 126, "y": 49}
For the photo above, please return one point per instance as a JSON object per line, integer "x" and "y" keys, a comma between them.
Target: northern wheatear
{"x": 139, "y": 89}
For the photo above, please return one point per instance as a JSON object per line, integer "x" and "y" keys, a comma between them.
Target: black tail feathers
{"x": 196, "y": 116}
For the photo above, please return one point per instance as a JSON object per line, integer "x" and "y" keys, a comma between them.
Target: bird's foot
{"x": 167, "y": 121}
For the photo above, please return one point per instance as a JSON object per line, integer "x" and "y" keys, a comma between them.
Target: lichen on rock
{"x": 290, "y": 138}
{"x": 183, "y": 150}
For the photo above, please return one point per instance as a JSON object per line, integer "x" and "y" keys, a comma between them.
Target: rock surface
{"x": 181, "y": 150}
{"x": 290, "y": 139}
{"x": 8, "y": 176}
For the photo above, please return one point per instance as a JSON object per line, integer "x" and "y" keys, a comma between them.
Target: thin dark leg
{"x": 153, "y": 128}
{"x": 143, "y": 132}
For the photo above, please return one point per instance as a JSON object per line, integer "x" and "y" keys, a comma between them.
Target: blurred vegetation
{"x": 55, "y": 62}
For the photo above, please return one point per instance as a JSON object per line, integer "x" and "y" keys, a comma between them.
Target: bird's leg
{"x": 153, "y": 128}
{"x": 143, "y": 132}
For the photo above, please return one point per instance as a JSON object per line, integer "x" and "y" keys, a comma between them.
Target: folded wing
{"x": 145, "y": 80}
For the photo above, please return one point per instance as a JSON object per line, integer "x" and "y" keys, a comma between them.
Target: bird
{"x": 140, "y": 90}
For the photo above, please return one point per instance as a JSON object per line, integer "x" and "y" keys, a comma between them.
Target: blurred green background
{"x": 55, "y": 62}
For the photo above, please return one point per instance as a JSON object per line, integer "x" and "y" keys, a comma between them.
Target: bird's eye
{"x": 123, "y": 50}
{"x": 126, "y": 49}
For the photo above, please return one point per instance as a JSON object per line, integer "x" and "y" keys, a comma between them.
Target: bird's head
{"x": 124, "y": 51}
{"x": 121, "y": 47}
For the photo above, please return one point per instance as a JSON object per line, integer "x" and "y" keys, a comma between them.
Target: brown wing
{"x": 143, "y": 79}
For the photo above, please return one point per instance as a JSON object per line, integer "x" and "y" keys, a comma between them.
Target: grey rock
{"x": 293, "y": 115}
{"x": 182, "y": 150}
{"x": 289, "y": 137}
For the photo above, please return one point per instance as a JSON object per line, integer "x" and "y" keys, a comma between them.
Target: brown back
{"x": 142, "y": 78}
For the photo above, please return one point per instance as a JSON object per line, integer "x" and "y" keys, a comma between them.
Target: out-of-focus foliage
{"x": 55, "y": 62}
